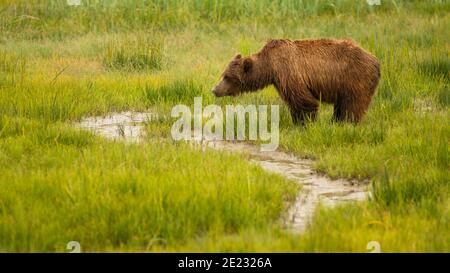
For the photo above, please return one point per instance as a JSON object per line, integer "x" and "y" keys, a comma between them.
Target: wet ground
{"x": 316, "y": 188}
{"x": 127, "y": 126}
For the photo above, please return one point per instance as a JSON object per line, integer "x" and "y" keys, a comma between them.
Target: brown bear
{"x": 306, "y": 72}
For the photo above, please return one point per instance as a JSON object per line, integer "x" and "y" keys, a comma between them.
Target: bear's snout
{"x": 216, "y": 90}
{"x": 224, "y": 88}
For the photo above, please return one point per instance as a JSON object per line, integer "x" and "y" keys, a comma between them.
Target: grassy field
{"x": 59, "y": 63}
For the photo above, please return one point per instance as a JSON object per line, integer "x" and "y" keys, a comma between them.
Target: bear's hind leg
{"x": 353, "y": 110}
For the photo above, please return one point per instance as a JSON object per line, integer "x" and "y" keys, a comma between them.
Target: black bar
{"x": 221, "y": 262}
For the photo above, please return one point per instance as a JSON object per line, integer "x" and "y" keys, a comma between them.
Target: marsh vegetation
{"x": 60, "y": 63}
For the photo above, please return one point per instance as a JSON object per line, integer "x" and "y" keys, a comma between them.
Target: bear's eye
{"x": 231, "y": 80}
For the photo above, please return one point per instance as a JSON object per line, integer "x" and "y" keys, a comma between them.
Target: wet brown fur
{"x": 306, "y": 72}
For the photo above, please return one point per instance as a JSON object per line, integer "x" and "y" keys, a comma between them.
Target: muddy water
{"x": 316, "y": 188}
{"x": 127, "y": 126}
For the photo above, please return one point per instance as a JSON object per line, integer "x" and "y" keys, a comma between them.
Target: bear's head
{"x": 233, "y": 78}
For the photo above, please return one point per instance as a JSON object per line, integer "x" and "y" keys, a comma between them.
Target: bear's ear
{"x": 248, "y": 63}
{"x": 238, "y": 56}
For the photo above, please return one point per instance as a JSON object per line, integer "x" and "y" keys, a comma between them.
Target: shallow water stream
{"x": 316, "y": 188}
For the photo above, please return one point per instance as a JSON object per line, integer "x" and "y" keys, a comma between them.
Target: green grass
{"x": 60, "y": 63}
{"x": 114, "y": 195}
{"x": 136, "y": 53}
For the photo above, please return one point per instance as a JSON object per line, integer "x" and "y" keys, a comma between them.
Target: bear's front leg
{"x": 302, "y": 114}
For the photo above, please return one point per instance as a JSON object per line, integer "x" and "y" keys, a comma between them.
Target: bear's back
{"x": 325, "y": 66}
{"x": 316, "y": 46}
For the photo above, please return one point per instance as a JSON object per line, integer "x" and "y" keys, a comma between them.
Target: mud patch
{"x": 126, "y": 126}
{"x": 316, "y": 188}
